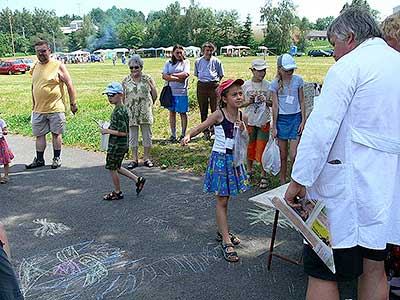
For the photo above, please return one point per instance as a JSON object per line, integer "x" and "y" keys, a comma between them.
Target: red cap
{"x": 227, "y": 83}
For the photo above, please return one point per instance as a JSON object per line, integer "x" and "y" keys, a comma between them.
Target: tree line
{"x": 193, "y": 25}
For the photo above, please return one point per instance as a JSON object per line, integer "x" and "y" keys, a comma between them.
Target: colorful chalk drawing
{"x": 267, "y": 216}
{"x": 92, "y": 270}
{"x": 49, "y": 228}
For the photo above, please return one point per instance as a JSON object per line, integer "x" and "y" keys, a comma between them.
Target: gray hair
{"x": 136, "y": 59}
{"x": 356, "y": 21}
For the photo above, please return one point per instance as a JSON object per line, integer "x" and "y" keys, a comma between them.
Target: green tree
{"x": 362, "y": 4}
{"x": 323, "y": 23}
{"x": 5, "y": 44}
{"x": 228, "y": 28}
{"x": 131, "y": 35}
{"x": 246, "y": 35}
{"x": 303, "y": 28}
{"x": 279, "y": 24}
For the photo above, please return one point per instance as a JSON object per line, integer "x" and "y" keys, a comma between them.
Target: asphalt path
{"x": 67, "y": 243}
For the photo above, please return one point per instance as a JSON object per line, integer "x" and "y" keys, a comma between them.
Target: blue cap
{"x": 113, "y": 88}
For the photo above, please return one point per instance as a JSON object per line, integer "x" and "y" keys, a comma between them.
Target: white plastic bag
{"x": 241, "y": 140}
{"x": 257, "y": 114}
{"x": 271, "y": 159}
{"x": 104, "y": 137}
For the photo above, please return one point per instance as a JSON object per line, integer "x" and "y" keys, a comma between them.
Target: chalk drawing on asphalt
{"x": 49, "y": 228}
{"x": 266, "y": 216}
{"x": 92, "y": 270}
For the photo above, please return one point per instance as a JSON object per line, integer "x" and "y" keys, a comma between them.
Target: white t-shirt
{"x": 2, "y": 125}
{"x": 259, "y": 88}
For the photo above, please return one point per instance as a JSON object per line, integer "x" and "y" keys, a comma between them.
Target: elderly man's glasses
{"x": 134, "y": 67}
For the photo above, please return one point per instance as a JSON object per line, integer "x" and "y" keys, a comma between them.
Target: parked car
{"x": 29, "y": 62}
{"x": 13, "y": 66}
{"x": 320, "y": 52}
{"x": 95, "y": 58}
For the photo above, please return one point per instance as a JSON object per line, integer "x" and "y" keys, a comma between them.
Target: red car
{"x": 13, "y": 66}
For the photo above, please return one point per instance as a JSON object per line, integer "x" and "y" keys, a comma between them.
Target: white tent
{"x": 192, "y": 51}
{"x": 231, "y": 50}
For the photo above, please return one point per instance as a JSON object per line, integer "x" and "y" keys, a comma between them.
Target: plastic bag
{"x": 257, "y": 114}
{"x": 271, "y": 160}
{"x": 104, "y": 137}
{"x": 241, "y": 140}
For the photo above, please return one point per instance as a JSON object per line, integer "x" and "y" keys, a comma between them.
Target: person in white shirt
{"x": 348, "y": 157}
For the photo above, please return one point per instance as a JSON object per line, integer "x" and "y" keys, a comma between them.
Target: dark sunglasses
{"x": 110, "y": 95}
{"x": 134, "y": 67}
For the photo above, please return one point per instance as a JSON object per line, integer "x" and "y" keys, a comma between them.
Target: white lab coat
{"x": 356, "y": 120}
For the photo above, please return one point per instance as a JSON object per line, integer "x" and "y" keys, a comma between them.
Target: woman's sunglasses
{"x": 134, "y": 67}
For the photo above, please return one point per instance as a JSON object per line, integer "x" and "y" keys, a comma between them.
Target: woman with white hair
{"x": 140, "y": 95}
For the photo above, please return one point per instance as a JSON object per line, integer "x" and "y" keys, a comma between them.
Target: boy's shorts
{"x": 180, "y": 104}
{"x": 114, "y": 162}
{"x": 348, "y": 263}
{"x": 258, "y": 138}
{"x": 45, "y": 123}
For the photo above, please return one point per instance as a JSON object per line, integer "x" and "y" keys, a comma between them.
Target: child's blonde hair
{"x": 391, "y": 26}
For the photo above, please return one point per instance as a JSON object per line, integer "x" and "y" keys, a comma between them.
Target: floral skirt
{"x": 222, "y": 178}
{"x": 5, "y": 153}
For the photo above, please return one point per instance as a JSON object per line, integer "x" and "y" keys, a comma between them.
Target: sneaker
{"x": 56, "y": 163}
{"x": 35, "y": 164}
{"x": 180, "y": 138}
{"x": 172, "y": 139}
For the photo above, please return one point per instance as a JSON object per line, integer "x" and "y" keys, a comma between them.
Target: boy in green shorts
{"x": 118, "y": 142}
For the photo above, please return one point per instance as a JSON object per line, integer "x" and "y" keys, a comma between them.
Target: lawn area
{"x": 91, "y": 79}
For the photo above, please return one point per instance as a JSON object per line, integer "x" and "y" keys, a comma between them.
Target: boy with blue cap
{"x": 118, "y": 142}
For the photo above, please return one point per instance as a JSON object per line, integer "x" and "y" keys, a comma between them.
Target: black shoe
{"x": 56, "y": 163}
{"x": 35, "y": 164}
{"x": 172, "y": 139}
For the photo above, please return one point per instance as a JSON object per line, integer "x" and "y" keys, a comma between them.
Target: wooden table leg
{"x": 271, "y": 245}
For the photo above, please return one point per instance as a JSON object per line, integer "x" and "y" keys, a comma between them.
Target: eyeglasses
{"x": 134, "y": 67}
{"x": 41, "y": 51}
{"x": 110, "y": 95}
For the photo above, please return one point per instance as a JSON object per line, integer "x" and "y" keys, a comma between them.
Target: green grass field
{"x": 91, "y": 79}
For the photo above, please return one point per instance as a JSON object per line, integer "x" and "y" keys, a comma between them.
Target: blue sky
{"x": 312, "y": 9}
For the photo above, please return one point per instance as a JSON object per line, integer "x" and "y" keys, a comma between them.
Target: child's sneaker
{"x": 56, "y": 163}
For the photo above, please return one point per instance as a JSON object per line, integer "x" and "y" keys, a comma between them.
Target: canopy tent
{"x": 150, "y": 52}
{"x": 192, "y": 51}
{"x": 79, "y": 52}
{"x": 231, "y": 50}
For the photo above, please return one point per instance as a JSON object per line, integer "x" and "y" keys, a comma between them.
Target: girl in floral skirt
{"x": 5, "y": 153}
{"x": 222, "y": 177}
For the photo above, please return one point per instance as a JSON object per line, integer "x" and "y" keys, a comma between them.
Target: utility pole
{"x": 54, "y": 43}
{"x": 11, "y": 32}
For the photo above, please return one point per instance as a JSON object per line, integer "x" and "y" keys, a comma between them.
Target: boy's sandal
{"x": 263, "y": 183}
{"x": 113, "y": 196}
{"x": 140, "y": 184}
{"x": 132, "y": 165}
{"x": 229, "y": 256}
{"x": 234, "y": 239}
{"x": 148, "y": 163}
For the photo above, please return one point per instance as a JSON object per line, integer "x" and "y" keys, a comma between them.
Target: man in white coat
{"x": 348, "y": 157}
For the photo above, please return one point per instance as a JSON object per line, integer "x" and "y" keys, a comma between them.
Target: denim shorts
{"x": 288, "y": 125}
{"x": 180, "y": 104}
